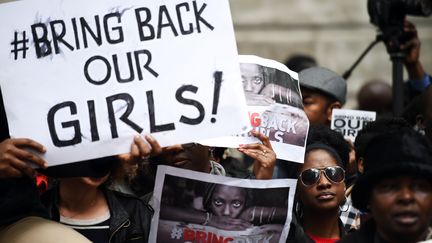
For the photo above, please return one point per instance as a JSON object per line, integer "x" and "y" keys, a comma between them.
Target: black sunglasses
{"x": 334, "y": 174}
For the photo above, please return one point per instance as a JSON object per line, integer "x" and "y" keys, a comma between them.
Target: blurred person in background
{"x": 395, "y": 188}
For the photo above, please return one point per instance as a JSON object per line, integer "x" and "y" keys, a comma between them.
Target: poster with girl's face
{"x": 275, "y": 108}
{"x": 198, "y": 207}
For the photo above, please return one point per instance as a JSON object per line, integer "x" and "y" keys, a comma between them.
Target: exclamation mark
{"x": 218, "y": 82}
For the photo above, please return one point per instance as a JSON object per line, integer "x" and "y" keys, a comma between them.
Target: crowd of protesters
{"x": 378, "y": 189}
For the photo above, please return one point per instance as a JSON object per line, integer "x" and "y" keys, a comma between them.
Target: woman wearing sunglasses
{"x": 320, "y": 188}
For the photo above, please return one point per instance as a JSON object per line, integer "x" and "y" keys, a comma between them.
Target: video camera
{"x": 389, "y": 16}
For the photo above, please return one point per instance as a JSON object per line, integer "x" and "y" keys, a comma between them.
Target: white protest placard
{"x": 350, "y": 122}
{"x": 198, "y": 207}
{"x": 83, "y": 77}
{"x": 275, "y": 108}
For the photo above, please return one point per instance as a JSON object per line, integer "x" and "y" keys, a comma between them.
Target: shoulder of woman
{"x": 128, "y": 201}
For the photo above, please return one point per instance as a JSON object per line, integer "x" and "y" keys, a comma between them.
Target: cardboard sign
{"x": 198, "y": 207}
{"x": 275, "y": 108}
{"x": 350, "y": 122}
{"x": 83, "y": 77}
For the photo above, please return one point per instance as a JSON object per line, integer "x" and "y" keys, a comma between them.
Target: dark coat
{"x": 18, "y": 196}
{"x": 130, "y": 216}
{"x": 368, "y": 234}
{"x": 19, "y": 199}
{"x": 298, "y": 235}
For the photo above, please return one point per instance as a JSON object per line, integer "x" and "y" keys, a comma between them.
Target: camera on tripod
{"x": 389, "y": 16}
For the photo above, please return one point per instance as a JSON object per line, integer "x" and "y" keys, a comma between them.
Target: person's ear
{"x": 420, "y": 121}
{"x": 329, "y": 111}
{"x": 360, "y": 166}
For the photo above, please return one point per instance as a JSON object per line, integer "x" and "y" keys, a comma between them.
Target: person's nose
{"x": 405, "y": 195}
{"x": 323, "y": 182}
{"x": 248, "y": 86}
{"x": 226, "y": 211}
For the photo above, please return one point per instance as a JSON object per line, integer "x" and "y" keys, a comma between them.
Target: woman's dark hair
{"x": 321, "y": 134}
{"x": 372, "y": 129}
{"x": 267, "y": 74}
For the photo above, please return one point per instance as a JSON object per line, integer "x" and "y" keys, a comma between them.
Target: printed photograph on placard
{"x": 201, "y": 209}
{"x": 275, "y": 108}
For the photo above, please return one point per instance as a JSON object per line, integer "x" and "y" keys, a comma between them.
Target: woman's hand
{"x": 263, "y": 155}
{"x": 141, "y": 149}
{"x": 15, "y": 153}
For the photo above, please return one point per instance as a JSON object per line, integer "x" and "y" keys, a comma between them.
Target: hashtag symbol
{"x": 176, "y": 233}
{"x": 20, "y": 45}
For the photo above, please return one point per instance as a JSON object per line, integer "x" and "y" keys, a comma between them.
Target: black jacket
{"x": 130, "y": 216}
{"x": 298, "y": 235}
{"x": 18, "y": 196}
{"x": 19, "y": 199}
{"x": 368, "y": 234}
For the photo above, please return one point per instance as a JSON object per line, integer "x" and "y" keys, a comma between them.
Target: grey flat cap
{"x": 324, "y": 80}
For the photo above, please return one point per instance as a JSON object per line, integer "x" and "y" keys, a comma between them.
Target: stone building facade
{"x": 335, "y": 32}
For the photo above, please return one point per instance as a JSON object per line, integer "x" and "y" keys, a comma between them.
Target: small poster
{"x": 275, "y": 108}
{"x": 350, "y": 122}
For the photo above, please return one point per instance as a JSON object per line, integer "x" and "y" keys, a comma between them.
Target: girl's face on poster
{"x": 228, "y": 201}
{"x": 252, "y": 78}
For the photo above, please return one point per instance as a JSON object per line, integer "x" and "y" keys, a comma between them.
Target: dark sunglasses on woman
{"x": 335, "y": 174}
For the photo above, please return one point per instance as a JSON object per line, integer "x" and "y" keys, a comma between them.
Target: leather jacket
{"x": 130, "y": 216}
{"x": 298, "y": 235}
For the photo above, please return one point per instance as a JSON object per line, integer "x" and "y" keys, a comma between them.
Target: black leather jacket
{"x": 130, "y": 216}
{"x": 298, "y": 235}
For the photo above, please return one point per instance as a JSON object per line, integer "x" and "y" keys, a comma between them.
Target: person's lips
{"x": 406, "y": 218}
{"x": 326, "y": 196}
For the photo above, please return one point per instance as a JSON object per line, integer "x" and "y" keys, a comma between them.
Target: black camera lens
{"x": 389, "y": 13}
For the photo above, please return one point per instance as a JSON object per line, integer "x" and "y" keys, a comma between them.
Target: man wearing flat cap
{"x": 396, "y": 189}
{"x": 322, "y": 91}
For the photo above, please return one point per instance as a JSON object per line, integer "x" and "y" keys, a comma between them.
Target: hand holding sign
{"x": 263, "y": 155}
{"x": 141, "y": 150}
{"x": 14, "y": 157}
